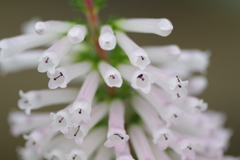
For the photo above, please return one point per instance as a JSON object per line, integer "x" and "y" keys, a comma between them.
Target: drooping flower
{"x": 151, "y": 112}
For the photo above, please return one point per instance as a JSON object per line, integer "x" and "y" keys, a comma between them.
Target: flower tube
{"x": 125, "y": 154}
{"x": 52, "y": 27}
{"x": 117, "y": 136}
{"x": 107, "y": 39}
{"x": 15, "y": 45}
{"x": 22, "y": 123}
{"x": 41, "y": 98}
{"x": 139, "y": 79}
{"x": 111, "y": 75}
{"x": 162, "y": 27}
{"x": 63, "y": 75}
{"x": 78, "y": 132}
{"x": 137, "y": 56}
{"x": 162, "y": 54}
{"x": 104, "y": 154}
{"x": 140, "y": 143}
{"x": 77, "y": 34}
{"x": 82, "y": 106}
{"x": 162, "y": 136}
{"x": 172, "y": 84}
{"x": 52, "y": 56}
{"x": 23, "y": 61}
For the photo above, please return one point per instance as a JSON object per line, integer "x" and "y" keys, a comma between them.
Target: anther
{"x": 175, "y": 115}
{"x": 80, "y": 111}
{"x": 58, "y": 76}
{"x": 47, "y": 60}
{"x": 26, "y": 101}
{"x": 77, "y": 131}
{"x": 190, "y": 148}
{"x": 119, "y": 136}
{"x": 60, "y": 121}
{"x": 113, "y": 77}
{"x": 141, "y": 77}
{"x": 74, "y": 156}
{"x": 142, "y": 58}
{"x": 33, "y": 143}
{"x": 165, "y": 136}
{"x": 178, "y": 95}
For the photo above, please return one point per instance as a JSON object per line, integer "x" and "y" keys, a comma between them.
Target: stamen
{"x": 77, "y": 131}
{"x": 178, "y": 95}
{"x": 47, "y": 60}
{"x": 119, "y": 135}
{"x": 33, "y": 143}
{"x": 175, "y": 115}
{"x": 74, "y": 156}
{"x": 190, "y": 148}
{"x": 26, "y": 101}
{"x": 165, "y": 136}
{"x": 113, "y": 77}
{"x": 142, "y": 58}
{"x": 198, "y": 107}
{"x": 61, "y": 120}
{"x": 80, "y": 111}
{"x": 180, "y": 86}
{"x": 58, "y": 76}
{"x": 141, "y": 77}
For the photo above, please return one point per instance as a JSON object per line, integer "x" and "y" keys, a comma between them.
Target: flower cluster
{"x": 158, "y": 119}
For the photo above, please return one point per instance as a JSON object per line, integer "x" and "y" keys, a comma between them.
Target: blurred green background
{"x": 205, "y": 24}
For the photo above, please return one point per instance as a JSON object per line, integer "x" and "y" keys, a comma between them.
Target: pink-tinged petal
{"x": 82, "y": 106}
{"x": 117, "y": 136}
{"x": 140, "y": 143}
{"x": 77, "y": 34}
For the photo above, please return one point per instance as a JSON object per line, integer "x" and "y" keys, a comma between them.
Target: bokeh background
{"x": 205, "y": 24}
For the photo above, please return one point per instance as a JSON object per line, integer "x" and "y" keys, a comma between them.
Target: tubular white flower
{"x": 125, "y": 154}
{"x": 191, "y": 61}
{"x": 82, "y": 106}
{"x": 41, "y": 98}
{"x": 77, "y": 34}
{"x": 197, "y": 85}
{"x": 139, "y": 79}
{"x": 52, "y": 56}
{"x": 23, "y": 61}
{"x": 140, "y": 143}
{"x": 111, "y": 75}
{"x": 22, "y": 124}
{"x": 95, "y": 137}
{"x": 184, "y": 147}
{"x": 191, "y": 105}
{"x": 104, "y": 154}
{"x": 162, "y": 54}
{"x": 38, "y": 139}
{"x": 162, "y": 136}
{"x": 80, "y": 131}
{"x": 107, "y": 39}
{"x": 61, "y": 120}
{"x": 52, "y": 27}
{"x": 15, "y": 45}
{"x": 172, "y": 84}
{"x": 166, "y": 110}
{"x": 59, "y": 149}
{"x": 63, "y": 75}
{"x": 162, "y": 27}
{"x": 137, "y": 56}
{"x": 28, "y": 154}
{"x": 116, "y": 135}
{"x": 159, "y": 155}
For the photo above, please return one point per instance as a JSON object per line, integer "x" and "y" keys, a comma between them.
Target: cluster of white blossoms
{"x": 131, "y": 105}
